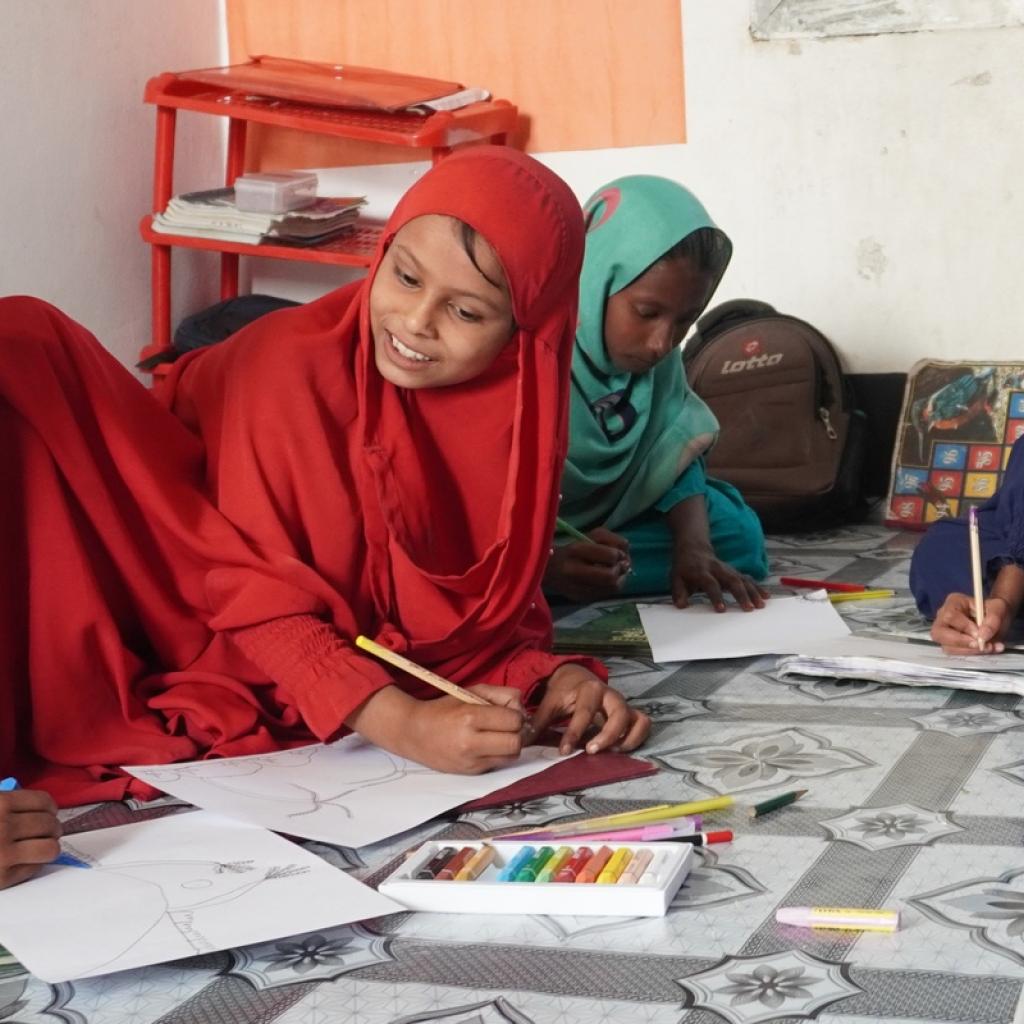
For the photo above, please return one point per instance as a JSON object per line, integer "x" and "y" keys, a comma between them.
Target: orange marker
{"x": 595, "y": 865}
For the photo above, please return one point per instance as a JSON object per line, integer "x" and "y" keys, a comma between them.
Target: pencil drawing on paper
{"x": 336, "y": 780}
{"x": 172, "y": 904}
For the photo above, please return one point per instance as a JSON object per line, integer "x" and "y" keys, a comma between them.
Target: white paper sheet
{"x": 350, "y": 793}
{"x": 170, "y": 888}
{"x": 699, "y": 633}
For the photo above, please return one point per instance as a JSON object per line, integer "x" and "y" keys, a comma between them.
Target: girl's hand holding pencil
{"x": 29, "y": 832}
{"x": 590, "y": 567}
{"x": 956, "y": 628}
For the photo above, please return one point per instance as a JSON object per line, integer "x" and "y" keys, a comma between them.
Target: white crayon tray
{"x": 486, "y": 895}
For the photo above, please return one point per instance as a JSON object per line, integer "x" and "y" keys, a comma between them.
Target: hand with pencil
{"x": 590, "y": 567}
{"x": 974, "y": 624}
{"x": 29, "y": 831}
{"x": 470, "y": 731}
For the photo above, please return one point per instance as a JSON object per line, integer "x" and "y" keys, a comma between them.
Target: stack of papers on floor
{"x": 213, "y": 214}
{"x": 906, "y": 663}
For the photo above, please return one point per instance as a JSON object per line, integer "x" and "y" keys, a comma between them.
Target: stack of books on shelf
{"x": 214, "y": 214}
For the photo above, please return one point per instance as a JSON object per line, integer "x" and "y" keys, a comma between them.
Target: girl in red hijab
{"x": 382, "y": 461}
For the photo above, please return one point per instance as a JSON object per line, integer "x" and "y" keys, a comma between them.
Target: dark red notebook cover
{"x": 580, "y": 772}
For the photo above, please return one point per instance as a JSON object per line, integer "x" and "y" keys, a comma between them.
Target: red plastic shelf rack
{"x": 489, "y": 121}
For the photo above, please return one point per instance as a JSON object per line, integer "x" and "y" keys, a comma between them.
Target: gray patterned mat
{"x": 914, "y": 802}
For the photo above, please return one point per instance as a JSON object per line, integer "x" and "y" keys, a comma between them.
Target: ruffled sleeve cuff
{"x": 322, "y": 674}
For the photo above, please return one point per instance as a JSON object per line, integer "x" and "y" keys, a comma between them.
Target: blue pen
{"x": 8, "y": 785}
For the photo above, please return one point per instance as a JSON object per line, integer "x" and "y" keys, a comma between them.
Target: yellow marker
{"x": 561, "y": 855}
{"x": 445, "y": 685}
{"x": 615, "y": 867}
{"x": 474, "y": 867}
{"x": 861, "y": 595}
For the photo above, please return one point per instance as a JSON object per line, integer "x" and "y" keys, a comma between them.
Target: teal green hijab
{"x": 630, "y": 435}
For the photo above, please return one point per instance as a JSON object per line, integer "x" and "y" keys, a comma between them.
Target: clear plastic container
{"x": 275, "y": 192}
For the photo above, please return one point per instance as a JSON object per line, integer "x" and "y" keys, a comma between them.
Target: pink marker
{"x": 645, "y": 834}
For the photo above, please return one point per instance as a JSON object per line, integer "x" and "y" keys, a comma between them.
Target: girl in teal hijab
{"x": 635, "y": 478}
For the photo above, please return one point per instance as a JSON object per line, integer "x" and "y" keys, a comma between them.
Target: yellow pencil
{"x": 979, "y": 590}
{"x": 452, "y": 689}
{"x": 861, "y": 595}
{"x": 648, "y": 815}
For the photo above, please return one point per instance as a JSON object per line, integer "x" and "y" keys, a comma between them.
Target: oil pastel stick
{"x": 475, "y": 866}
{"x": 614, "y": 868}
{"x": 509, "y": 872}
{"x": 594, "y": 866}
{"x": 574, "y": 865}
{"x": 455, "y": 865}
{"x": 635, "y": 868}
{"x": 555, "y": 864}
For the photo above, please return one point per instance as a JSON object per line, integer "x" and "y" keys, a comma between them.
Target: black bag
{"x": 215, "y": 323}
{"x": 791, "y": 440}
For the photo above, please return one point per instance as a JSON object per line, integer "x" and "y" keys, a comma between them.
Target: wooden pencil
{"x": 979, "y": 592}
{"x": 452, "y": 689}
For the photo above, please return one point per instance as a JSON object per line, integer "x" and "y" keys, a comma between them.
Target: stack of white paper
{"x": 904, "y": 663}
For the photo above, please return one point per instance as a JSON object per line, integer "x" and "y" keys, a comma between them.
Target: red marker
{"x": 839, "y": 588}
{"x": 702, "y": 838}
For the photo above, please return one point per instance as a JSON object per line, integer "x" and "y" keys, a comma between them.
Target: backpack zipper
{"x": 827, "y": 420}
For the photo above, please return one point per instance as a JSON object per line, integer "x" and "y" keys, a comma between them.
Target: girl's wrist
{"x": 1009, "y": 587}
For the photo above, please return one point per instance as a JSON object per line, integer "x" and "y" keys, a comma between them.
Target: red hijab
{"x": 306, "y": 489}
{"x": 444, "y": 498}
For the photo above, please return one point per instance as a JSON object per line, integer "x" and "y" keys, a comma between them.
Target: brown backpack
{"x": 791, "y": 441}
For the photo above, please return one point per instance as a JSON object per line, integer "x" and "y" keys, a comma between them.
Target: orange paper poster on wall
{"x": 585, "y": 74}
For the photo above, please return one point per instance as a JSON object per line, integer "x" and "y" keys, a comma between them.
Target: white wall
{"x": 76, "y": 165}
{"x": 870, "y": 184}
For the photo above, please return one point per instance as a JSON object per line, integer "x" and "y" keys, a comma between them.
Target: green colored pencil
{"x": 775, "y": 803}
{"x": 570, "y": 530}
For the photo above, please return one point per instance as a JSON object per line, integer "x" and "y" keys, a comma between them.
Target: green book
{"x": 608, "y": 629}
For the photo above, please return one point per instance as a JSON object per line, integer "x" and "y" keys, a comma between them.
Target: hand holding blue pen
{"x": 29, "y": 827}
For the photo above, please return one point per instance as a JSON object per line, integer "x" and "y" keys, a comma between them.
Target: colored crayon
{"x": 574, "y": 865}
{"x": 438, "y": 861}
{"x": 475, "y": 866}
{"x": 783, "y": 800}
{"x": 455, "y": 865}
{"x": 521, "y": 859}
{"x": 635, "y": 868}
{"x": 555, "y": 864}
{"x": 650, "y": 876}
{"x": 614, "y": 868}
{"x": 532, "y": 868}
{"x": 594, "y": 866}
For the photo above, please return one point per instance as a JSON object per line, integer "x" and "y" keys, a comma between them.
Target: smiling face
{"x": 648, "y": 318}
{"x": 437, "y": 319}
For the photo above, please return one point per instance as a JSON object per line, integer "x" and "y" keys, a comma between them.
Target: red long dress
{"x": 189, "y": 584}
